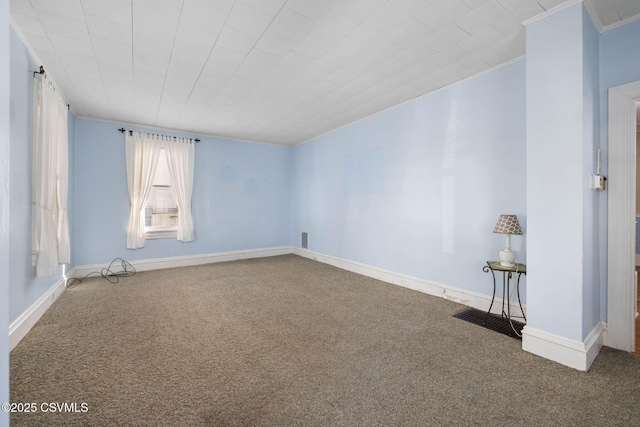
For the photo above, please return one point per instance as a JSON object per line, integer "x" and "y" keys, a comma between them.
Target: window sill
{"x": 160, "y": 233}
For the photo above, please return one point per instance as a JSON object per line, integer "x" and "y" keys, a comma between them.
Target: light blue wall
{"x": 619, "y": 64}
{"x": 240, "y": 197}
{"x": 591, "y": 199}
{"x": 418, "y": 189}
{"x": 561, "y": 74}
{"x": 25, "y": 288}
{"x": 5, "y": 248}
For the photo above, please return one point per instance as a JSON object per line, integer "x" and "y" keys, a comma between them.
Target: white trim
{"x": 451, "y": 293}
{"x": 23, "y": 324}
{"x": 621, "y": 23}
{"x": 621, "y": 216}
{"x": 182, "y": 133}
{"x": 189, "y": 260}
{"x": 597, "y": 22}
{"x": 568, "y": 352}
{"x": 550, "y": 12}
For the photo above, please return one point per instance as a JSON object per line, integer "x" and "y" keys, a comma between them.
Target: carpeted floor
{"x": 287, "y": 341}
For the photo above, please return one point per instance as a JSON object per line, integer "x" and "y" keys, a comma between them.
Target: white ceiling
{"x": 271, "y": 71}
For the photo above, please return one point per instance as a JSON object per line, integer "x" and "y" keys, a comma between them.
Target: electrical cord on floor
{"x": 107, "y": 273}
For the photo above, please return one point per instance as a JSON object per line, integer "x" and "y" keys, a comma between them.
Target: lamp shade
{"x": 508, "y": 224}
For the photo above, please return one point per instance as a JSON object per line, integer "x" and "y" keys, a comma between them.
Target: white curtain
{"x": 180, "y": 157}
{"x": 50, "y": 245}
{"x": 142, "y": 151}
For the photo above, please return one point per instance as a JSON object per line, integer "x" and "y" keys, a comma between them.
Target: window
{"x": 160, "y": 181}
{"x": 161, "y": 213}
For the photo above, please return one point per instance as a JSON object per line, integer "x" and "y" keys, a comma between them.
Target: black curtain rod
{"x": 123, "y": 130}
{"x": 41, "y": 71}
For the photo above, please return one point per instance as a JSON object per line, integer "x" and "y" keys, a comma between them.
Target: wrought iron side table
{"x": 508, "y": 273}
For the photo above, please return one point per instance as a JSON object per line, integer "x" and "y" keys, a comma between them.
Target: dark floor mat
{"x": 493, "y": 322}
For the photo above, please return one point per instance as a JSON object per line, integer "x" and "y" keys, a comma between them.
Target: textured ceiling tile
{"x": 296, "y": 61}
{"x": 628, "y": 10}
{"x": 313, "y": 9}
{"x": 115, "y": 10}
{"x": 259, "y": 58}
{"x": 189, "y": 55}
{"x": 270, "y": 7}
{"x": 455, "y": 69}
{"x": 550, "y": 4}
{"x": 447, "y": 36}
{"x": 105, "y": 46}
{"x": 373, "y": 30}
{"x": 144, "y": 65}
{"x": 222, "y": 55}
{"x": 152, "y": 51}
{"x": 522, "y": 9}
{"x": 144, "y": 32}
{"x": 108, "y": 62}
{"x": 487, "y": 36}
{"x": 382, "y": 52}
{"x": 407, "y": 35}
{"x": 64, "y": 26}
{"x": 195, "y": 37}
{"x": 312, "y": 46}
{"x": 358, "y": 11}
{"x": 202, "y": 16}
{"x": 347, "y": 48}
{"x": 214, "y": 69}
{"x": 29, "y": 24}
{"x": 21, "y": 6}
{"x": 248, "y": 20}
{"x": 448, "y": 55}
{"x": 511, "y": 47}
{"x": 275, "y": 44}
{"x": 41, "y": 44}
{"x": 399, "y": 12}
{"x": 71, "y": 9}
{"x": 291, "y": 24}
{"x": 328, "y": 64}
{"x": 416, "y": 53}
{"x": 179, "y": 82}
{"x": 236, "y": 40}
{"x": 442, "y": 14}
{"x": 187, "y": 68}
{"x": 483, "y": 17}
{"x": 474, "y": 4}
{"x": 391, "y": 67}
{"x": 156, "y": 13}
{"x": 78, "y": 64}
{"x": 251, "y": 72}
{"x": 104, "y": 29}
{"x": 333, "y": 28}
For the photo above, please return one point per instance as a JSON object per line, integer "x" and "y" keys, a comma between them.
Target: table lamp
{"x": 508, "y": 224}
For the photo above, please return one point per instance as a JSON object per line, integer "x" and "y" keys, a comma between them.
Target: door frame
{"x": 621, "y": 212}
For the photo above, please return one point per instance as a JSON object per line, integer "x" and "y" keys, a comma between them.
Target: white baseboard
{"x": 572, "y": 353}
{"x": 23, "y": 324}
{"x": 461, "y": 296}
{"x": 188, "y": 260}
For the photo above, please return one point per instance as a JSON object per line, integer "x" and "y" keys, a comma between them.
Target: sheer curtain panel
{"x": 180, "y": 157}
{"x": 142, "y": 151}
{"x": 50, "y": 245}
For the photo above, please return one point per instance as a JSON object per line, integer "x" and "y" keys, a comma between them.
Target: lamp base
{"x": 507, "y": 258}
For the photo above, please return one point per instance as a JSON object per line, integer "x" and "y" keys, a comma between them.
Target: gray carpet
{"x": 287, "y": 341}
